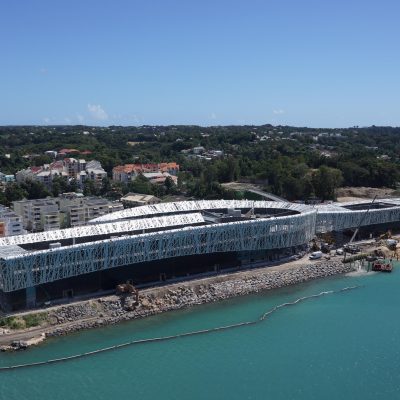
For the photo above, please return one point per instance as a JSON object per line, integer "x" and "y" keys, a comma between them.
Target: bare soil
{"x": 361, "y": 193}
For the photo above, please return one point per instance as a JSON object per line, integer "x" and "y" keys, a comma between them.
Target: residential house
{"x": 129, "y": 172}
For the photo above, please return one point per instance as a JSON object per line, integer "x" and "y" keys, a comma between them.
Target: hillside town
{"x": 46, "y": 186}
{"x": 72, "y": 209}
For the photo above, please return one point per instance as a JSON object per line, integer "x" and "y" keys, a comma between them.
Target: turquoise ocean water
{"x": 339, "y": 346}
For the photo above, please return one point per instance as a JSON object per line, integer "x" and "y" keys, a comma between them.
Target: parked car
{"x": 315, "y": 255}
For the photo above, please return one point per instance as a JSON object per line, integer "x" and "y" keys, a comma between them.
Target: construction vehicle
{"x": 326, "y": 248}
{"x": 391, "y": 244}
{"x": 127, "y": 289}
{"x": 386, "y": 235}
{"x": 327, "y": 238}
{"x": 314, "y": 245}
{"x": 350, "y": 248}
{"x": 379, "y": 253}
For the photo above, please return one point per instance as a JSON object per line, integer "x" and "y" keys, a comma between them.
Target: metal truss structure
{"x": 196, "y": 206}
{"x": 37, "y": 267}
{"x": 335, "y": 217}
{"x": 21, "y": 269}
{"x": 114, "y": 228}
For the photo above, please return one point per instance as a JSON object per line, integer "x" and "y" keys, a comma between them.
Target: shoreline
{"x": 109, "y": 310}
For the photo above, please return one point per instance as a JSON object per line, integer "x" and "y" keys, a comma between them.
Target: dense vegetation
{"x": 23, "y": 321}
{"x": 296, "y": 163}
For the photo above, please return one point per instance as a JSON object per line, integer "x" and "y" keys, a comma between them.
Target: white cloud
{"x": 278, "y": 112}
{"x": 46, "y": 120}
{"x": 213, "y": 116}
{"x": 97, "y": 112}
{"x": 80, "y": 118}
{"x": 67, "y": 120}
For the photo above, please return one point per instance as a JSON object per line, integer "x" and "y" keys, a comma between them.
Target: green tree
{"x": 169, "y": 184}
{"x": 14, "y": 192}
{"x": 89, "y": 188}
{"x": 35, "y": 190}
{"x": 325, "y": 181}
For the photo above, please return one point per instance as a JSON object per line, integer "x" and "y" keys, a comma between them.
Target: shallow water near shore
{"x": 340, "y": 345}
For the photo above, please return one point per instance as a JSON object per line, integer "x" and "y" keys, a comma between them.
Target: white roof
{"x": 197, "y": 205}
{"x": 44, "y": 173}
{"x": 113, "y": 228}
{"x": 154, "y": 174}
{"x": 138, "y": 197}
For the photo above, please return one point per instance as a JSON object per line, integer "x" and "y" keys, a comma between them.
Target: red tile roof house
{"x": 129, "y": 172}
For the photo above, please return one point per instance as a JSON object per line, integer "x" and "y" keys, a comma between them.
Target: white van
{"x": 316, "y": 255}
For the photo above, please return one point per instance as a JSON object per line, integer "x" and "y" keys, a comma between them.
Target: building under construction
{"x": 155, "y": 243}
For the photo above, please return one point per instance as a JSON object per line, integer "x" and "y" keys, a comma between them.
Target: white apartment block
{"x": 39, "y": 215}
{"x": 79, "y": 210}
{"x": 69, "y": 209}
{"x": 94, "y": 172}
{"x": 10, "y": 223}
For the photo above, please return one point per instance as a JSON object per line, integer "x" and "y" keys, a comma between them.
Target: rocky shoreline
{"x": 113, "y": 309}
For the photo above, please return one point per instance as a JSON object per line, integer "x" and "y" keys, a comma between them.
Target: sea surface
{"x": 342, "y": 345}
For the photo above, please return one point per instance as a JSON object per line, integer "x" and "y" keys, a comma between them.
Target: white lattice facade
{"x": 176, "y": 230}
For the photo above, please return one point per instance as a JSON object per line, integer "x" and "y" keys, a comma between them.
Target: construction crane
{"x": 359, "y": 225}
{"x": 362, "y": 220}
{"x": 250, "y": 213}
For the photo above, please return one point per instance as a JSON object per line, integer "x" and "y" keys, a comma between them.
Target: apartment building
{"x": 94, "y": 172}
{"x": 10, "y": 223}
{"x": 69, "y": 167}
{"x": 70, "y": 209}
{"x": 79, "y": 210}
{"x": 39, "y": 215}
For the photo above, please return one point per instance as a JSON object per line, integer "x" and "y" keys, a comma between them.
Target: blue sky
{"x": 320, "y": 63}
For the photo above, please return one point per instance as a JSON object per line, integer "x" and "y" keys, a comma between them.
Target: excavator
{"x": 127, "y": 289}
{"x": 386, "y": 235}
{"x": 386, "y": 240}
{"x": 314, "y": 245}
{"x": 323, "y": 242}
